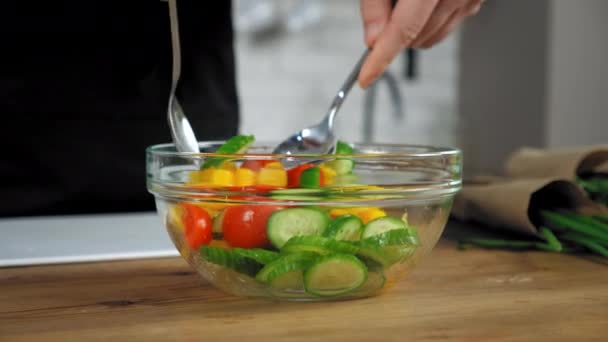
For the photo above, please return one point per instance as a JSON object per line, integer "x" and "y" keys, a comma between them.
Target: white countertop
{"x": 82, "y": 238}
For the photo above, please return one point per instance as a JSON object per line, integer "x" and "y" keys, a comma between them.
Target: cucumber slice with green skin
{"x": 343, "y": 148}
{"x": 345, "y": 180}
{"x": 293, "y": 281}
{"x": 388, "y": 255}
{"x": 381, "y": 225}
{"x": 335, "y": 275}
{"x": 319, "y": 245}
{"x": 228, "y": 258}
{"x": 259, "y": 255}
{"x": 405, "y": 236}
{"x": 286, "y": 223}
{"x": 342, "y": 166}
{"x": 235, "y": 145}
{"x": 345, "y": 227}
{"x": 390, "y": 247}
{"x": 281, "y": 271}
{"x": 375, "y": 281}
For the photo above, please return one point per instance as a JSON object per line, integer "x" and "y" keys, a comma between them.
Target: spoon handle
{"x": 175, "y": 43}
{"x": 346, "y": 87}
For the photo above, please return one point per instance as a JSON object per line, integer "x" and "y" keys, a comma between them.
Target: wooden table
{"x": 475, "y": 295}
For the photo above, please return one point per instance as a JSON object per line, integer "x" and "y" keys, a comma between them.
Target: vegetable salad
{"x": 319, "y": 250}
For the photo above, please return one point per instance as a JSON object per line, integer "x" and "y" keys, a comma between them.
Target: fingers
{"x": 456, "y": 18}
{"x": 473, "y": 8}
{"x": 443, "y": 31}
{"x": 406, "y": 22}
{"x": 443, "y": 13}
{"x": 375, "y": 15}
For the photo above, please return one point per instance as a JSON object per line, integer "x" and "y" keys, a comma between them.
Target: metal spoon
{"x": 181, "y": 131}
{"x": 319, "y": 139}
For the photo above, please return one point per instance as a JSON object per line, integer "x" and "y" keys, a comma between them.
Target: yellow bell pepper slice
{"x": 329, "y": 174}
{"x": 272, "y": 176}
{"x": 333, "y": 213}
{"x": 212, "y": 177}
{"x": 371, "y": 214}
{"x": 366, "y": 214}
{"x": 245, "y": 177}
{"x": 221, "y": 177}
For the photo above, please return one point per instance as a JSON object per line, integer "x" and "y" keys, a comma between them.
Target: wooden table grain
{"x": 475, "y": 295}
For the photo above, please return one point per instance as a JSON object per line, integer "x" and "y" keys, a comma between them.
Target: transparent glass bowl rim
{"x": 447, "y": 185}
{"x": 400, "y": 151}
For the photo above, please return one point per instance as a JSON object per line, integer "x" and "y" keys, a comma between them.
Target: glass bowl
{"x": 305, "y": 227}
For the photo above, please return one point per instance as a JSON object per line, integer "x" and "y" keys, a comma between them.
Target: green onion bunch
{"x": 562, "y": 232}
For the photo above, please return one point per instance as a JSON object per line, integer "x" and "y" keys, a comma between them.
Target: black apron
{"x": 83, "y": 91}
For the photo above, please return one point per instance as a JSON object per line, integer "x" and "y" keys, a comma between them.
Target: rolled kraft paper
{"x": 566, "y": 163}
{"x": 515, "y": 205}
{"x": 603, "y": 168}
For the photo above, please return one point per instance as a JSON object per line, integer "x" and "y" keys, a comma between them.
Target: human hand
{"x": 411, "y": 23}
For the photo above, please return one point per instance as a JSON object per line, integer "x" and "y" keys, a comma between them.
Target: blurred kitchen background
{"x": 519, "y": 73}
{"x": 293, "y": 56}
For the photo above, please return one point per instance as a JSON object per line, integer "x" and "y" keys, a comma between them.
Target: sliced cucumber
{"x": 293, "y": 281}
{"x": 390, "y": 247}
{"x": 343, "y": 148}
{"x": 346, "y": 227}
{"x": 342, "y": 166}
{"x": 406, "y": 236}
{"x": 334, "y": 275}
{"x": 228, "y": 258}
{"x": 284, "y": 224}
{"x": 345, "y": 180}
{"x": 259, "y": 255}
{"x": 381, "y": 225}
{"x": 235, "y": 145}
{"x": 317, "y": 244}
{"x": 286, "y": 271}
{"x": 375, "y": 281}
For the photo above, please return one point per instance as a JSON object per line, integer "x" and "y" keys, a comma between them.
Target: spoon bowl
{"x": 319, "y": 139}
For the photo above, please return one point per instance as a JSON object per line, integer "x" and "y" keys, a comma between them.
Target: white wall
{"x": 578, "y": 82}
{"x": 502, "y": 81}
{"x": 532, "y": 73}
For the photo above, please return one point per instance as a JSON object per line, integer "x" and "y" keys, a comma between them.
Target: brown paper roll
{"x": 535, "y": 180}
{"x": 516, "y": 204}
{"x": 566, "y": 163}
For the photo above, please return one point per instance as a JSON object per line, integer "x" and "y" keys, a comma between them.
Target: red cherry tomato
{"x": 198, "y": 228}
{"x": 245, "y": 225}
{"x": 293, "y": 175}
